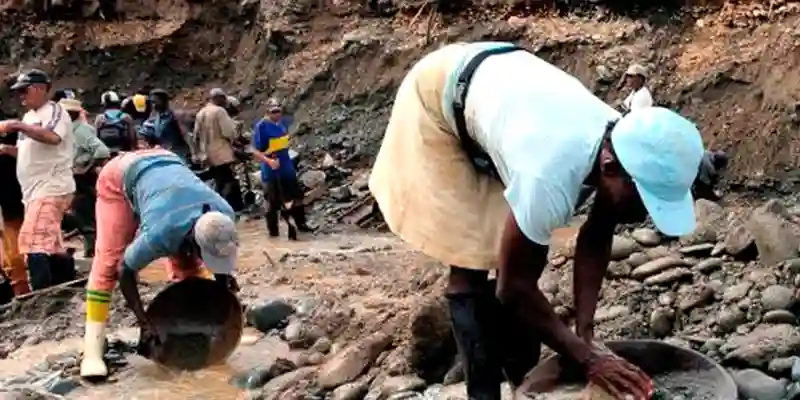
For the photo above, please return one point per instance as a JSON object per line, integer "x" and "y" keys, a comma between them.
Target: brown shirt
{"x": 214, "y": 130}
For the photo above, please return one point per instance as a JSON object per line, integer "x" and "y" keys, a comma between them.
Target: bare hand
{"x": 273, "y": 163}
{"x": 151, "y": 341}
{"x": 8, "y": 126}
{"x": 5, "y": 149}
{"x": 618, "y": 377}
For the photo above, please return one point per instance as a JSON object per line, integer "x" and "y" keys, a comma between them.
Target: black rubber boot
{"x": 62, "y": 267}
{"x": 298, "y": 213}
{"x": 6, "y": 292}
{"x": 40, "y": 271}
{"x": 272, "y": 223}
{"x": 471, "y": 317}
{"x": 520, "y": 348}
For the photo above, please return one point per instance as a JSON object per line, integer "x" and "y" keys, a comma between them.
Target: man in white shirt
{"x": 484, "y": 155}
{"x": 640, "y": 96}
{"x": 44, "y": 154}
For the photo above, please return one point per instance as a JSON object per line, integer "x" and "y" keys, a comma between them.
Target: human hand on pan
{"x": 150, "y": 340}
{"x": 619, "y": 378}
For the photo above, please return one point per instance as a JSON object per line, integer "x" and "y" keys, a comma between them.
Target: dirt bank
{"x": 733, "y": 68}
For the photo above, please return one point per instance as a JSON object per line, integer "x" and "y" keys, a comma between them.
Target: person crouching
{"x": 150, "y": 205}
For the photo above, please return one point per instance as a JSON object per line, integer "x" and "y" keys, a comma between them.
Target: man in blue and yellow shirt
{"x": 278, "y": 174}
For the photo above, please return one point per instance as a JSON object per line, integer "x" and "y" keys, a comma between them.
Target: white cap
{"x": 217, "y": 92}
{"x": 71, "y": 104}
{"x": 233, "y": 101}
{"x": 215, "y": 234}
{"x": 637, "y": 69}
{"x": 109, "y": 97}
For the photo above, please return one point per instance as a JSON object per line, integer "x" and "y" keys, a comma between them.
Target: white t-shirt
{"x": 542, "y": 128}
{"x": 45, "y": 170}
{"x": 638, "y": 99}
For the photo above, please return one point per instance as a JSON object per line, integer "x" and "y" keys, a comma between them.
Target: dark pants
{"x": 278, "y": 192}
{"x": 82, "y": 216}
{"x": 227, "y": 185}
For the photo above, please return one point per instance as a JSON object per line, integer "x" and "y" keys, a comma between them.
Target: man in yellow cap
{"x": 138, "y": 107}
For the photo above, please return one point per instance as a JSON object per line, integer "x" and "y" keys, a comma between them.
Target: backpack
{"x": 113, "y": 132}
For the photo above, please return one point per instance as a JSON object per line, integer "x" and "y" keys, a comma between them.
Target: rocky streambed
{"x": 361, "y": 316}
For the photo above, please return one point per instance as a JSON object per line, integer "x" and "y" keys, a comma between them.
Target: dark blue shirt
{"x": 272, "y": 138}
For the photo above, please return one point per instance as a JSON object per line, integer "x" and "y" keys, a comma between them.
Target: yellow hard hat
{"x": 140, "y": 102}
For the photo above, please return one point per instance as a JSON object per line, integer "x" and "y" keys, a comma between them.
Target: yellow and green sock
{"x": 97, "y": 305}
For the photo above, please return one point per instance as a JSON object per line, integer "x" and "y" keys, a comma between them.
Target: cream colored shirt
{"x": 45, "y": 170}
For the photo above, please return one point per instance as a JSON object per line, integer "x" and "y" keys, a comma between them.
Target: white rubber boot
{"x": 92, "y": 365}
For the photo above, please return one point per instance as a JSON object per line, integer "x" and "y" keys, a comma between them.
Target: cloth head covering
{"x": 215, "y": 234}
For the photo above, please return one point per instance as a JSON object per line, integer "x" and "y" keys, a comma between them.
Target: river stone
{"x": 730, "y": 318}
{"x": 637, "y": 259}
{"x": 259, "y": 376}
{"x": 738, "y": 240}
{"x": 618, "y": 269}
{"x": 349, "y": 363}
{"x": 622, "y": 247}
{"x": 736, "y": 292}
{"x": 646, "y": 236}
{"x": 661, "y": 322}
{"x": 270, "y": 315}
{"x": 782, "y": 366}
{"x": 708, "y": 265}
{"x": 698, "y": 250}
{"x": 655, "y": 266}
{"x": 301, "y": 334}
{"x": 780, "y": 317}
{"x": 756, "y": 385}
{"x": 350, "y": 391}
{"x": 669, "y": 276}
{"x": 774, "y": 237}
{"x": 764, "y": 343}
{"x": 396, "y": 384}
{"x": 777, "y": 297}
{"x": 698, "y": 297}
{"x": 796, "y": 369}
{"x": 710, "y": 220}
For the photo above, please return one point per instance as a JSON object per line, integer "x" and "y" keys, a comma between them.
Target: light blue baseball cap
{"x": 661, "y": 151}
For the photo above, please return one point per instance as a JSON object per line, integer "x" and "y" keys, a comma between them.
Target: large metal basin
{"x": 654, "y": 357}
{"x": 201, "y": 321}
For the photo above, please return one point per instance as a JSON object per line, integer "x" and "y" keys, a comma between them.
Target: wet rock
{"x": 352, "y": 361}
{"x": 432, "y": 347}
{"x": 274, "y": 389}
{"x": 777, "y": 297}
{"x": 655, "y": 266}
{"x": 62, "y": 387}
{"x": 312, "y": 178}
{"x": 350, "y": 391}
{"x": 618, "y": 269}
{"x": 729, "y": 319}
{"x": 271, "y": 315}
{"x": 710, "y": 221}
{"x": 738, "y": 241}
{"x": 604, "y": 314}
{"x": 397, "y": 384}
{"x": 779, "y": 317}
{"x": 756, "y": 385}
{"x": 661, "y": 322}
{"x": 764, "y": 343}
{"x": 773, "y": 235}
{"x": 301, "y": 334}
{"x": 708, "y": 265}
{"x": 646, "y": 236}
{"x": 259, "y": 376}
{"x": 698, "y": 297}
{"x": 341, "y": 193}
{"x": 322, "y": 345}
{"x": 622, "y": 247}
{"x": 782, "y": 366}
{"x": 793, "y": 265}
{"x": 698, "y": 250}
{"x": 666, "y": 299}
{"x": 637, "y": 259}
{"x": 669, "y": 276}
{"x": 736, "y": 292}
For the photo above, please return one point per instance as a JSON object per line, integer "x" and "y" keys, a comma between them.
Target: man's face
{"x": 634, "y": 81}
{"x": 159, "y": 103}
{"x": 618, "y": 192}
{"x": 275, "y": 114}
{"x": 33, "y": 96}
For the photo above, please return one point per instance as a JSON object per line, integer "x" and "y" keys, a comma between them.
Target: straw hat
{"x": 71, "y": 104}
{"x": 637, "y": 69}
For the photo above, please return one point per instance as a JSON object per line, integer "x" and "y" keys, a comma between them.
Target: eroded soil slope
{"x": 732, "y": 67}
